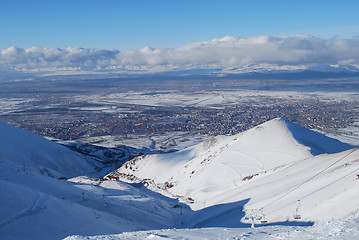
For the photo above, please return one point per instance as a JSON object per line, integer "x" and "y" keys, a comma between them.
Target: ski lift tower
{"x": 253, "y": 216}
{"x": 297, "y": 213}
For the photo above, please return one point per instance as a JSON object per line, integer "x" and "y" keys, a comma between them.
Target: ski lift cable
{"x": 317, "y": 174}
{"x": 356, "y": 170}
{"x": 337, "y": 180}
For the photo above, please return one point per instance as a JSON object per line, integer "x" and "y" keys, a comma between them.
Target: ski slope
{"x": 344, "y": 229}
{"x": 37, "y": 202}
{"x": 255, "y": 166}
{"x": 214, "y": 190}
{"x": 24, "y": 149}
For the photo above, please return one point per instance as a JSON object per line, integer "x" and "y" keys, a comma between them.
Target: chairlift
{"x": 256, "y": 215}
{"x": 250, "y": 216}
{"x": 297, "y": 213}
{"x": 263, "y": 217}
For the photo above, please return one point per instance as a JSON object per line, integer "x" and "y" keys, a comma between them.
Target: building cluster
{"x": 232, "y": 119}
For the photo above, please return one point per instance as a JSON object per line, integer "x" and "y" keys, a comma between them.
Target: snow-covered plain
{"x": 214, "y": 190}
{"x": 216, "y": 99}
{"x": 168, "y": 140}
{"x": 8, "y": 105}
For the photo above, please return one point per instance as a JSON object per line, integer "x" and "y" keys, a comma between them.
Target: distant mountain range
{"x": 243, "y": 72}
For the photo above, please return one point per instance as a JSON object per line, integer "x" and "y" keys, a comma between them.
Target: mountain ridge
{"x": 222, "y": 182}
{"x": 29, "y": 150}
{"x": 223, "y": 165}
{"x": 253, "y": 145}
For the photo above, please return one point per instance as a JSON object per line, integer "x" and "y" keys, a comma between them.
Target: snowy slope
{"x": 346, "y": 229}
{"x": 20, "y": 148}
{"x": 35, "y": 204}
{"x": 326, "y": 185}
{"x": 223, "y": 163}
{"x": 224, "y": 182}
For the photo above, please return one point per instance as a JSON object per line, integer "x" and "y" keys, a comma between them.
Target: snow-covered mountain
{"x": 228, "y": 181}
{"x": 269, "y": 145}
{"x": 37, "y": 202}
{"x": 251, "y": 170}
{"x": 23, "y": 149}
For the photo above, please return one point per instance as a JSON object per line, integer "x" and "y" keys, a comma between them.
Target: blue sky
{"x": 133, "y": 24}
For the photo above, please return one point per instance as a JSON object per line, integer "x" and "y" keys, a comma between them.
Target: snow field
{"x": 210, "y": 170}
{"x": 345, "y": 229}
{"x": 220, "y": 182}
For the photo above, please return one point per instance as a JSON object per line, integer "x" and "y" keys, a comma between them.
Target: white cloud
{"x": 226, "y": 52}
{"x": 71, "y": 57}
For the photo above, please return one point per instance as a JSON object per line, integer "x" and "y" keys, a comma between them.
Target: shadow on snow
{"x": 229, "y": 215}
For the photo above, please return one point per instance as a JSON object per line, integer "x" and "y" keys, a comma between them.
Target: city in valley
{"x": 173, "y": 114}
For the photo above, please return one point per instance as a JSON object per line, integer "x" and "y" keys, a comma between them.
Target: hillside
{"x": 251, "y": 169}
{"x": 26, "y": 150}
{"x": 37, "y": 202}
{"x": 257, "y": 177}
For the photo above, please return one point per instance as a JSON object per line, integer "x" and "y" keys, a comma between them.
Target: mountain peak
{"x": 316, "y": 142}
{"x": 277, "y": 120}
{"x": 272, "y": 144}
{"x": 278, "y": 154}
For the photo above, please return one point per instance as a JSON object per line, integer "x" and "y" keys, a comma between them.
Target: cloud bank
{"x": 71, "y": 57}
{"x": 220, "y": 53}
